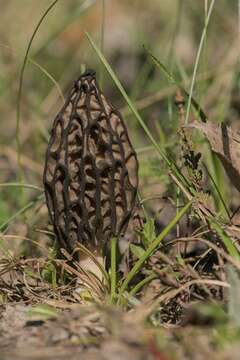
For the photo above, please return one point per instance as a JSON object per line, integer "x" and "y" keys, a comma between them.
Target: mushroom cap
{"x": 91, "y": 169}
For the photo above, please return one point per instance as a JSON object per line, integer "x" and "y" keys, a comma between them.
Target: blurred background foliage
{"x": 171, "y": 30}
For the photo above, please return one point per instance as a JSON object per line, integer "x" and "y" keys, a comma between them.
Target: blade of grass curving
{"x": 172, "y": 80}
{"x": 239, "y": 19}
{"x": 141, "y": 283}
{"x": 219, "y": 193}
{"x": 204, "y": 66}
{"x": 45, "y": 249}
{"x": 184, "y": 287}
{"x": 141, "y": 80}
{"x": 43, "y": 311}
{"x": 88, "y": 277}
{"x": 113, "y": 268}
{"x": 45, "y": 72}
{"x": 231, "y": 248}
{"x": 170, "y": 57}
{"x": 171, "y": 164}
{"x": 21, "y": 211}
{"x": 65, "y": 22}
{"x": 103, "y": 18}
{"x": 150, "y": 250}
{"x": 41, "y": 68}
{"x": 197, "y": 60}
{"x": 19, "y": 97}
{"x": 26, "y": 186}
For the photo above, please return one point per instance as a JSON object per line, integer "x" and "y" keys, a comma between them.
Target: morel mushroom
{"x": 91, "y": 170}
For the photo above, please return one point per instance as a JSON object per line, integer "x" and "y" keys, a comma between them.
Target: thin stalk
{"x": 65, "y": 22}
{"x": 45, "y": 72}
{"x": 153, "y": 246}
{"x": 102, "y": 37}
{"x": 204, "y": 53}
{"x": 26, "y": 186}
{"x": 41, "y": 68}
{"x": 113, "y": 268}
{"x": 19, "y": 97}
{"x": 21, "y": 211}
{"x": 176, "y": 31}
{"x": 228, "y": 242}
{"x": 197, "y": 60}
{"x": 171, "y": 79}
{"x": 141, "y": 284}
{"x": 239, "y": 19}
{"x": 216, "y": 187}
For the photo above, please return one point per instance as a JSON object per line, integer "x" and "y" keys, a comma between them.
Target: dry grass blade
{"x": 172, "y": 293}
{"x": 216, "y": 248}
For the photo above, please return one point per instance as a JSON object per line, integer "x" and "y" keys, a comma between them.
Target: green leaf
{"x": 29, "y": 272}
{"x": 137, "y": 250}
{"x": 49, "y": 274}
{"x": 148, "y": 232}
{"x": 44, "y": 311}
{"x": 231, "y": 248}
{"x": 180, "y": 260}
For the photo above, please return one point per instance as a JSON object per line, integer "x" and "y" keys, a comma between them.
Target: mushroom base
{"x": 89, "y": 265}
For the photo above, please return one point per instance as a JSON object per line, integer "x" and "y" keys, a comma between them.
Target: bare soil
{"x": 88, "y": 332}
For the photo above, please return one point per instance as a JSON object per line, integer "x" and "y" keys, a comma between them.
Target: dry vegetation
{"x": 174, "y": 294}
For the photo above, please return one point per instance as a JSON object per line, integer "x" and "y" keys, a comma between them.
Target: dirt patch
{"x": 93, "y": 333}
{"x": 83, "y": 330}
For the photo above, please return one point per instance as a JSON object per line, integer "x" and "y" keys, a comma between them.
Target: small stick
{"x": 113, "y": 268}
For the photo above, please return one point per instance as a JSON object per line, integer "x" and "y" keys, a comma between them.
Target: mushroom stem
{"x": 88, "y": 264}
{"x": 92, "y": 260}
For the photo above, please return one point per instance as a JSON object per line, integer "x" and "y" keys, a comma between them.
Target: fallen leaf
{"x": 226, "y": 144}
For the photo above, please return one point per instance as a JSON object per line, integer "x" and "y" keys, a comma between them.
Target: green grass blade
{"x": 142, "y": 283}
{"x": 65, "y": 23}
{"x": 21, "y": 211}
{"x": 26, "y": 186}
{"x": 19, "y": 97}
{"x": 231, "y": 248}
{"x": 197, "y": 60}
{"x": 103, "y": 20}
{"x": 48, "y": 75}
{"x": 43, "y": 311}
{"x": 153, "y": 246}
{"x": 220, "y": 197}
{"x": 40, "y": 67}
{"x": 172, "y": 80}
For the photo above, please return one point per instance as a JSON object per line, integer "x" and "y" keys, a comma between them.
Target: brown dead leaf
{"x": 226, "y": 144}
